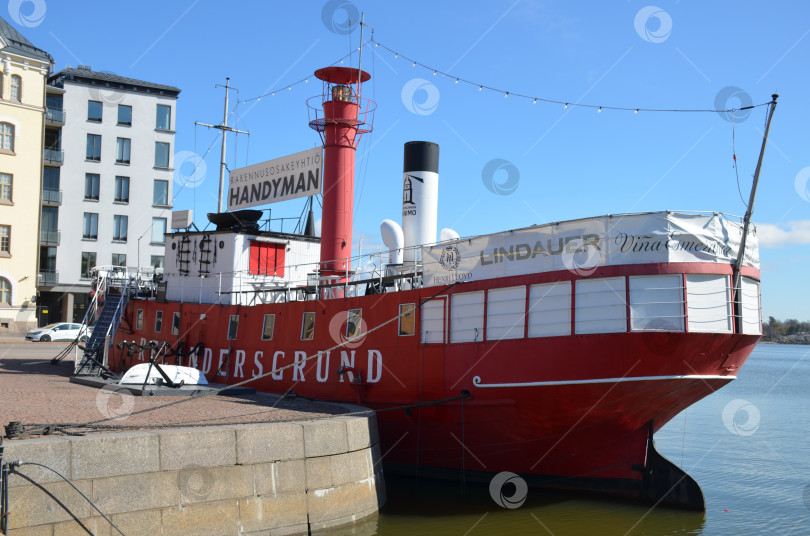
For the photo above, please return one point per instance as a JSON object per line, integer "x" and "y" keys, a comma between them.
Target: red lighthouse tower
{"x": 341, "y": 121}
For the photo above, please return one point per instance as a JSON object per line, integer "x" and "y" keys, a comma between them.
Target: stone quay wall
{"x": 259, "y": 479}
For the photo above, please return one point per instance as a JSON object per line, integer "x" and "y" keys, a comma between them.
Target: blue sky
{"x": 570, "y": 163}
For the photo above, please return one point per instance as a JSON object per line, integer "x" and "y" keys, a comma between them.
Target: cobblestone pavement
{"x": 33, "y": 391}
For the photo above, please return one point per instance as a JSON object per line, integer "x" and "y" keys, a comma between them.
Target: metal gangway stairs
{"x": 113, "y": 291}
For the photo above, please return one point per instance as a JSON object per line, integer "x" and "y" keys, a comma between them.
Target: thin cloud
{"x": 794, "y": 233}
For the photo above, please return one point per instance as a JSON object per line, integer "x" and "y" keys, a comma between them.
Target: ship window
{"x": 308, "y": 327}
{"x": 139, "y": 319}
{"x": 267, "y": 258}
{"x": 175, "y": 323}
{"x": 354, "y": 324}
{"x": 433, "y": 320}
{"x": 467, "y": 317}
{"x": 158, "y": 321}
{"x": 550, "y": 309}
{"x": 268, "y": 326}
{"x": 751, "y": 311}
{"x": 407, "y": 315}
{"x": 506, "y": 313}
{"x": 233, "y": 327}
{"x": 656, "y": 303}
{"x": 708, "y": 302}
{"x": 601, "y": 306}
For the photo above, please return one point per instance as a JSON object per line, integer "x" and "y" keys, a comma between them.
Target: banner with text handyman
{"x": 289, "y": 177}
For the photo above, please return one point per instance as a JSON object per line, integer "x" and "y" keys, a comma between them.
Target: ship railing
{"x": 244, "y": 288}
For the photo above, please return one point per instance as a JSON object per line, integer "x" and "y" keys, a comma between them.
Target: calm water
{"x": 748, "y": 446}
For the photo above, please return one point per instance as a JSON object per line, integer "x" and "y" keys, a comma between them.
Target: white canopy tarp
{"x": 581, "y": 246}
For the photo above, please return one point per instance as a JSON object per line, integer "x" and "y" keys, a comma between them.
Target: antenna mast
{"x": 225, "y": 129}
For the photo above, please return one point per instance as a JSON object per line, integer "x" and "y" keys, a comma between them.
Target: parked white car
{"x": 62, "y": 331}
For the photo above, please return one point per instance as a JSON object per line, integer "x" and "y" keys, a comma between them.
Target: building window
{"x": 5, "y": 187}
{"x": 7, "y": 136}
{"x": 158, "y": 321}
{"x": 139, "y": 319}
{"x": 124, "y": 114}
{"x": 407, "y": 324}
{"x": 162, "y": 154}
{"x": 233, "y": 327}
{"x": 119, "y": 259}
{"x": 164, "y": 117}
{"x": 88, "y": 263}
{"x": 5, "y": 291}
{"x": 16, "y": 88}
{"x": 160, "y": 193}
{"x": 159, "y": 230}
{"x": 175, "y": 323}
{"x": 120, "y": 227}
{"x": 122, "y": 189}
{"x": 308, "y": 327}
{"x": 90, "y": 225}
{"x": 123, "y": 146}
{"x": 156, "y": 262}
{"x": 267, "y": 258}
{"x": 50, "y": 180}
{"x": 94, "y": 147}
{"x": 92, "y": 182}
{"x": 268, "y": 326}
{"x": 94, "y": 110}
{"x": 5, "y": 240}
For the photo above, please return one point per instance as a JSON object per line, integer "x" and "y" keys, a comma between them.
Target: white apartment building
{"x": 109, "y": 185}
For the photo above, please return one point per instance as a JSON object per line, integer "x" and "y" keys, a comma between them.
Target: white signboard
{"x": 181, "y": 219}
{"x": 582, "y": 246}
{"x": 289, "y": 177}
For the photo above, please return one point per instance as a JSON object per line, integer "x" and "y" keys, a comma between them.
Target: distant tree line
{"x": 790, "y": 331}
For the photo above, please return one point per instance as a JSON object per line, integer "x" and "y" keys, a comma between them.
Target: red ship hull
{"x": 574, "y": 411}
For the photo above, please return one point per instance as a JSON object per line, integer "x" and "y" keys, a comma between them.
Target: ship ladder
{"x": 96, "y": 353}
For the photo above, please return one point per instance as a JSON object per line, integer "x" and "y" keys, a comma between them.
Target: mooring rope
{"x": 15, "y": 430}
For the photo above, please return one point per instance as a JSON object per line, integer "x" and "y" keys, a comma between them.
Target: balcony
{"x": 55, "y": 116}
{"x": 47, "y": 278}
{"x": 51, "y": 197}
{"x": 49, "y": 238}
{"x": 54, "y": 157}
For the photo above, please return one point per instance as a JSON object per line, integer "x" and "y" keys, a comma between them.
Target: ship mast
{"x": 737, "y": 278}
{"x": 362, "y": 23}
{"x": 225, "y": 129}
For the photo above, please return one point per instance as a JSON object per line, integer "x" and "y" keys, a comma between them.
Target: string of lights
{"x": 536, "y": 99}
{"x": 289, "y": 87}
{"x": 506, "y": 93}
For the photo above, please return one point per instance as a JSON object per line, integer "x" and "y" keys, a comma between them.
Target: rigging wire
{"x": 365, "y": 163}
{"x": 734, "y": 153}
